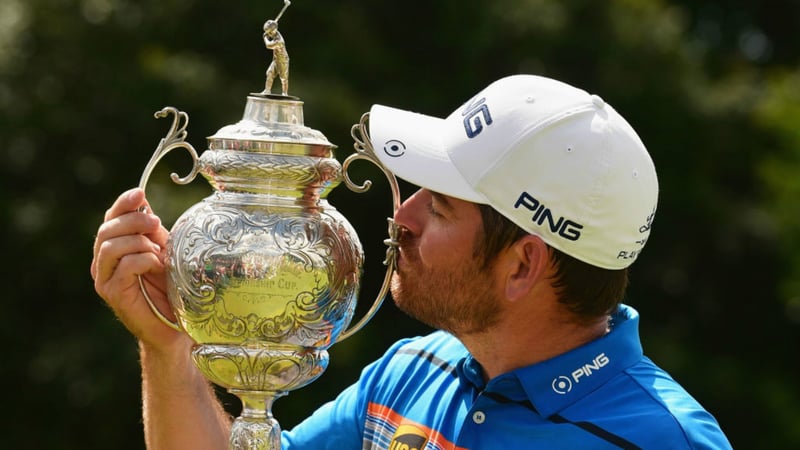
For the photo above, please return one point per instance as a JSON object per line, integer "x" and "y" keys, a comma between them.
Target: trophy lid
{"x": 272, "y": 123}
{"x": 268, "y": 119}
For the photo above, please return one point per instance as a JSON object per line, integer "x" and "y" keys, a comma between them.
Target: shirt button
{"x": 478, "y": 417}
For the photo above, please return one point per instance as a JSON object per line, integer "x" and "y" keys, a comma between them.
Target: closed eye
{"x": 439, "y": 204}
{"x": 432, "y": 210}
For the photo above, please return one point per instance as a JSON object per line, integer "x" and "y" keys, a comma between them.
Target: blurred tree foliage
{"x": 713, "y": 88}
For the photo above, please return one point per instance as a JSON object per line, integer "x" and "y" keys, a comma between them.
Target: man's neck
{"x": 518, "y": 343}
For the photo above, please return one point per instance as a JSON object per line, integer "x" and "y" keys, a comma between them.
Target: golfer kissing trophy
{"x": 264, "y": 273}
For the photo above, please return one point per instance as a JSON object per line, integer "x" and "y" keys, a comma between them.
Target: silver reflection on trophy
{"x": 264, "y": 273}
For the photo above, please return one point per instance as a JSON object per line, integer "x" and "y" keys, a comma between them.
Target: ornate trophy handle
{"x": 175, "y": 138}
{"x": 364, "y": 150}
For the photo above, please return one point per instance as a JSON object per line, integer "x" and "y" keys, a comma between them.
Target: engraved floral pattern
{"x": 302, "y": 268}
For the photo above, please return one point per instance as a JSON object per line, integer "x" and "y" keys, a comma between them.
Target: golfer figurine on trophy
{"x": 273, "y": 40}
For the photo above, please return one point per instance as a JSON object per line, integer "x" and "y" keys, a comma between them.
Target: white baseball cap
{"x": 555, "y": 160}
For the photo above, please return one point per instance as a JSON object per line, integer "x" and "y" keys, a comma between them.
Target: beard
{"x": 460, "y": 299}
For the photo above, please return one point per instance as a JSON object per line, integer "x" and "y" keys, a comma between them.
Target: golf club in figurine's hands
{"x": 264, "y": 273}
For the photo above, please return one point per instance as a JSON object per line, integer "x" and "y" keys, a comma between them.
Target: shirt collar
{"x": 470, "y": 373}
{"x": 556, "y": 383}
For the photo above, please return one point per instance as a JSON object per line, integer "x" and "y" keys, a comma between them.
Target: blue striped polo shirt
{"x": 428, "y": 393}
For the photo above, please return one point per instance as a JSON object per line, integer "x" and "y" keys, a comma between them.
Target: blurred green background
{"x": 713, "y": 88}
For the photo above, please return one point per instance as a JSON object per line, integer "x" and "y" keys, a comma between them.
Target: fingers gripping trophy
{"x": 264, "y": 273}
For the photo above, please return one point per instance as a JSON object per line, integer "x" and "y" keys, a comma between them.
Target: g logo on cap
{"x": 475, "y": 114}
{"x": 394, "y": 148}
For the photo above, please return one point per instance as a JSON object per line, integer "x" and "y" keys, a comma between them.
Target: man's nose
{"x": 408, "y": 215}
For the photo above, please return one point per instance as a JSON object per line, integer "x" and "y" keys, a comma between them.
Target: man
{"x": 535, "y": 199}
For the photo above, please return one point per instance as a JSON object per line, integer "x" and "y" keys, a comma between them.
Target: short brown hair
{"x": 586, "y": 290}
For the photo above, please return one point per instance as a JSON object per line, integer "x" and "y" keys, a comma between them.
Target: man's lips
{"x": 400, "y": 260}
{"x": 406, "y": 252}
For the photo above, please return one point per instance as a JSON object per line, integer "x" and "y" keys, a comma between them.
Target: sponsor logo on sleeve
{"x": 408, "y": 437}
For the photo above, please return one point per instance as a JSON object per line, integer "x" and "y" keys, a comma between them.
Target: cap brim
{"x": 410, "y": 146}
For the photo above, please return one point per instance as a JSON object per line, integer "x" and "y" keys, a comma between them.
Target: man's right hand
{"x": 130, "y": 243}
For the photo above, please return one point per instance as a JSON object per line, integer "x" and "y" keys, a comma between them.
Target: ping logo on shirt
{"x": 563, "y": 384}
{"x": 408, "y": 437}
{"x": 476, "y": 115}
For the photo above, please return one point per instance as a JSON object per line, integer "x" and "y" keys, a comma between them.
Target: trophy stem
{"x": 255, "y": 428}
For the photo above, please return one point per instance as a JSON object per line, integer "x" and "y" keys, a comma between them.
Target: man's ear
{"x": 525, "y": 265}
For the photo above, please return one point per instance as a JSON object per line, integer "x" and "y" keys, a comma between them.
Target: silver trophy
{"x": 264, "y": 273}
